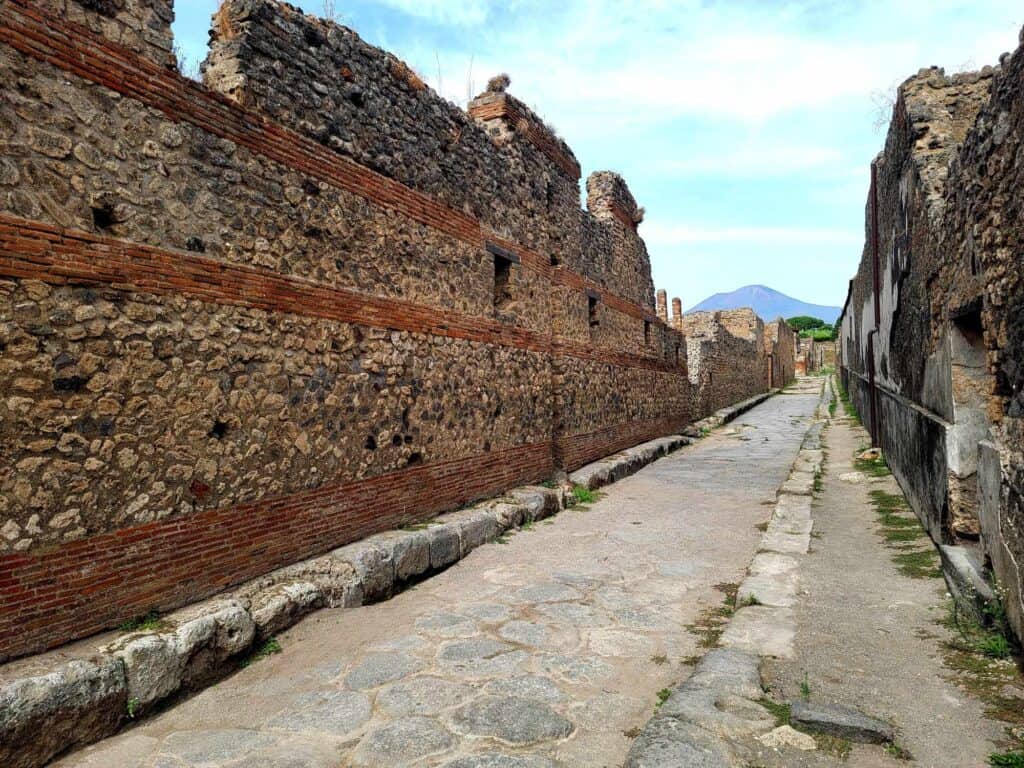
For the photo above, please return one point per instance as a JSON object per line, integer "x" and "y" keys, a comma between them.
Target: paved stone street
{"x": 550, "y": 646}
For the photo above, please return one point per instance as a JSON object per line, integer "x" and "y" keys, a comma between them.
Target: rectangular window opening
{"x": 502, "y": 282}
{"x": 592, "y": 312}
{"x": 647, "y": 333}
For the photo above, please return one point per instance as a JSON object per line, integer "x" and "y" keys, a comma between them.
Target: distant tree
{"x": 806, "y": 323}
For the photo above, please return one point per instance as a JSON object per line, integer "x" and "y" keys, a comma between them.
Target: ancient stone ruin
{"x": 932, "y": 336}
{"x": 248, "y": 321}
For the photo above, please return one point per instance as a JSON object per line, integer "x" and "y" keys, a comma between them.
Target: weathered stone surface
{"x": 670, "y": 743}
{"x": 786, "y": 736}
{"x": 531, "y": 687}
{"x": 402, "y": 742}
{"x": 410, "y": 552}
{"x": 334, "y": 712}
{"x": 761, "y": 630}
{"x": 380, "y": 668}
{"x": 278, "y": 608}
{"x": 422, "y": 696}
{"x": 501, "y": 761}
{"x": 514, "y": 720}
{"x": 445, "y": 548}
{"x": 76, "y": 704}
{"x": 210, "y": 746}
{"x": 159, "y": 664}
{"x": 374, "y": 565}
{"x": 835, "y": 720}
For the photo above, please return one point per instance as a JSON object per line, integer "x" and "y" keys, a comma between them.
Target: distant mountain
{"x": 767, "y": 303}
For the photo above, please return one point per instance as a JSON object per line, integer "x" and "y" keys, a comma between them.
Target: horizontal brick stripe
{"x": 89, "y": 585}
{"x": 573, "y": 451}
{"x": 55, "y": 255}
{"x": 51, "y": 38}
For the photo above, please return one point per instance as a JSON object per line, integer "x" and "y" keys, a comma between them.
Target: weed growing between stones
{"x": 711, "y": 622}
{"x": 872, "y": 467}
{"x": 805, "y": 689}
{"x": 269, "y": 647}
{"x": 901, "y": 531}
{"x": 984, "y": 666}
{"x": 896, "y": 752}
{"x": 780, "y": 712}
{"x": 583, "y": 497}
{"x": 1012, "y": 759}
{"x": 660, "y": 659}
{"x": 848, "y": 406}
{"x": 145, "y": 623}
{"x": 663, "y": 695}
{"x": 132, "y": 707}
{"x": 833, "y": 745}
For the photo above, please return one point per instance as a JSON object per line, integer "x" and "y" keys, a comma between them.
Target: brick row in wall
{"x": 48, "y": 38}
{"x": 88, "y": 585}
{"x": 34, "y": 250}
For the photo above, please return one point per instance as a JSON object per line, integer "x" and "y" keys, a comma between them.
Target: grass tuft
{"x": 145, "y": 623}
{"x": 269, "y": 647}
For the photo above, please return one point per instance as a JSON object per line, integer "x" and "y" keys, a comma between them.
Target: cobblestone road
{"x": 545, "y": 649}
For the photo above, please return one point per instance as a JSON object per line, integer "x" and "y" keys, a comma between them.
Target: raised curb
{"x": 49, "y": 711}
{"x": 719, "y": 703}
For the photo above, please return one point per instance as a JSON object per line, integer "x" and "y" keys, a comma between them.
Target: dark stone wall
{"x": 948, "y": 206}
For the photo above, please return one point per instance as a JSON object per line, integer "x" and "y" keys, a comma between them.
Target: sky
{"x": 744, "y": 127}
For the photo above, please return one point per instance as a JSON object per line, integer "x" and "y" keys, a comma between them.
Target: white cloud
{"x": 656, "y": 234}
{"x": 754, "y": 160}
{"x": 462, "y": 13}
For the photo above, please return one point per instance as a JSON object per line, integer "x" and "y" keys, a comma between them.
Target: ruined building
{"x": 931, "y": 347}
{"x": 247, "y": 321}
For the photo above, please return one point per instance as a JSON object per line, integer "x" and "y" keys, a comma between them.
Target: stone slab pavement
{"x": 544, "y": 649}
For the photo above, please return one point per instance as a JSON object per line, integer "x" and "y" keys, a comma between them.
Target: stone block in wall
{"x": 143, "y": 26}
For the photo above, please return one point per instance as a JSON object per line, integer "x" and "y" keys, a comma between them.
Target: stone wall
{"x": 929, "y": 345}
{"x": 247, "y": 321}
{"x": 780, "y": 345}
{"x": 726, "y": 353}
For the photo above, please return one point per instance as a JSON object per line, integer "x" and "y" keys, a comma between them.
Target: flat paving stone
{"x": 422, "y": 696}
{"x": 402, "y": 742}
{"x": 511, "y": 719}
{"x": 527, "y": 687}
{"x": 513, "y": 622}
{"x": 380, "y": 668}
{"x": 501, "y": 761}
{"x": 335, "y": 712}
{"x": 202, "y": 747}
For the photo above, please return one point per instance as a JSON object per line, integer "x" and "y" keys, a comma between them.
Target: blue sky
{"x": 744, "y": 128}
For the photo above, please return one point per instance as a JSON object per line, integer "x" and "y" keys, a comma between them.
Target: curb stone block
{"x": 843, "y": 722}
{"x": 774, "y": 590}
{"x": 551, "y": 499}
{"x": 274, "y": 610}
{"x": 76, "y": 704}
{"x": 444, "y": 545}
{"x": 373, "y": 565}
{"x": 159, "y": 664}
{"x": 770, "y": 563}
{"x": 410, "y": 552}
{"x": 761, "y": 630}
{"x": 785, "y": 543}
{"x": 670, "y": 743}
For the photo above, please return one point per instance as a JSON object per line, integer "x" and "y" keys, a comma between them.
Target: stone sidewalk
{"x": 547, "y": 648}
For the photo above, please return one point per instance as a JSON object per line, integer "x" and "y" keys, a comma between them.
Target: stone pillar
{"x": 677, "y": 314}
{"x": 663, "y": 305}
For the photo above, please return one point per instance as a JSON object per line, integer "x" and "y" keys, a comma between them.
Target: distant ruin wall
{"x": 930, "y": 341}
{"x": 244, "y": 323}
{"x": 725, "y": 350}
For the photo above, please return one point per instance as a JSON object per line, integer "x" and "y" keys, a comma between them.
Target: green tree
{"x": 806, "y": 323}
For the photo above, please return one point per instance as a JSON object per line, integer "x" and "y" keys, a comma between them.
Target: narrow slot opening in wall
{"x": 502, "y": 282}
{"x": 647, "y": 333}
{"x": 592, "y": 313}
{"x": 677, "y": 354}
